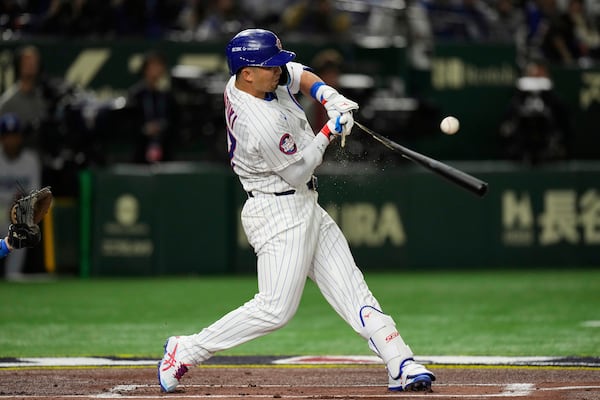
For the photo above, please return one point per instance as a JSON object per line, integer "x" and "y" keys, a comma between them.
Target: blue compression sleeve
{"x": 4, "y": 250}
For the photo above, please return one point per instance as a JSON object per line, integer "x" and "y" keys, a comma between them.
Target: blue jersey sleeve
{"x": 4, "y": 250}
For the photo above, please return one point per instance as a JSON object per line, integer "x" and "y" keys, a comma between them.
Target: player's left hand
{"x": 336, "y": 104}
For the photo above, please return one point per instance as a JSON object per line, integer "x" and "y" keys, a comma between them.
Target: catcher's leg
{"x": 14, "y": 264}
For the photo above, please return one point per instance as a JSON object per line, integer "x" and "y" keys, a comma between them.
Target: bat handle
{"x": 343, "y": 142}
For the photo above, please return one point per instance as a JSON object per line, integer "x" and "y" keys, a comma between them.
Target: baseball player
{"x": 25, "y": 214}
{"x": 274, "y": 152}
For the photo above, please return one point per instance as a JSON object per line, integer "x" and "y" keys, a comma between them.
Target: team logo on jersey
{"x": 287, "y": 144}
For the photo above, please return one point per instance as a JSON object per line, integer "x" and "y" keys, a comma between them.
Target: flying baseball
{"x": 450, "y": 125}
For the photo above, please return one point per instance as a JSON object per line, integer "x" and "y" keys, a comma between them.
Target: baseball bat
{"x": 452, "y": 174}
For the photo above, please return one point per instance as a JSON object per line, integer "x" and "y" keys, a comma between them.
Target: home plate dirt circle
{"x": 291, "y": 381}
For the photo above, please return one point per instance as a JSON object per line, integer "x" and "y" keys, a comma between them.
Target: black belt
{"x": 311, "y": 185}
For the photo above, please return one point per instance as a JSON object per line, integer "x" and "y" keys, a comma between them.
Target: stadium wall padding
{"x": 185, "y": 220}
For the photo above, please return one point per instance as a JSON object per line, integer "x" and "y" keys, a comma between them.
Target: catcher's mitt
{"x": 30, "y": 209}
{"x": 22, "y": 235}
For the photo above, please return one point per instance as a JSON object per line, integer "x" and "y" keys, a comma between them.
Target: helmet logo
{"x": 244, "y": 48}
{"x": 278, "y": 44}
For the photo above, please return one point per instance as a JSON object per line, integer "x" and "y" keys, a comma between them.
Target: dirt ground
{"x": 250, "y": 382}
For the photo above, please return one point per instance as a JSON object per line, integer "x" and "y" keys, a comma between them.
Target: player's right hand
{"x": 340, "y": 125}
{"x": 23, "y": 235}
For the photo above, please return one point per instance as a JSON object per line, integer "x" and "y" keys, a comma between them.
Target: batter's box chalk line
{"x": 504, "y": 390}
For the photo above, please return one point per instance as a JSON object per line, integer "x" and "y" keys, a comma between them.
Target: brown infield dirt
{"x": 249, "y": 382}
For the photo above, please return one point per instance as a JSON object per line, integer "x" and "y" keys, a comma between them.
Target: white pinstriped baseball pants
{"x": 294, "y": 238}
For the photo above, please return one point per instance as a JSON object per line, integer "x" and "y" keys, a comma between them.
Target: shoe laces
{"x": 181, "y": 371}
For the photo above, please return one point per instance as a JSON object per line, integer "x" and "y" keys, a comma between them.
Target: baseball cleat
{"x": 171, "y": 368}
{"x": 412, "y": 377}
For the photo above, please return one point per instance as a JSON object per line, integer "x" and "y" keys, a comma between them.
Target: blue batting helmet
{"x": 256, "y": 48}
{"x": 9, "y": 123}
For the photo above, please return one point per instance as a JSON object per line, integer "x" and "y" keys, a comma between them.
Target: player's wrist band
{"x": 4, "y": 250}
{"x": 314, "y": 89}
{"x": 326, "y": 131}
{"x": 322, "y": 92}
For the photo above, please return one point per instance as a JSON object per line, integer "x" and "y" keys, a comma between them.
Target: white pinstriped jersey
{"x": 293, "y": 237}
{"x": 265, "y": 136}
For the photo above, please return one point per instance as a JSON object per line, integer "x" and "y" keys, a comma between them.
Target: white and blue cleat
{"x": 413, "y": 377}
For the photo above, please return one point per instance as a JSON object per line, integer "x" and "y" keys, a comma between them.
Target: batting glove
{"x": 337, "y": 126}
{"x": 334, "y": 103}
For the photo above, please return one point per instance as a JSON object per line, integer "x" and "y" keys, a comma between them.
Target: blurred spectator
{"x": 384, "y": 18}
{"x": 593, "y": 9}
{"x": 155, "y": 112}
{"x": 143, "y": 18}
{"x": 191, "y": 16}
{"x": 559, "y": 44}
{"x": 215, "y": 19}
{"x": 465, "y": 20}
{"x": 77, "y": 18}
{"x": 585, "y": 32}
{"x": 420, "y": 35}
{"x": 540, "y": 15}
{"x": 569, "y": 37}
{"x": 88, "y": 18}
{"x": 315, "y": 17}
{"x": 19, "y": 171}
{"x": 536, "y": 125}
{"x": 41, "y": 102}
{"x": 130, "y": 17}
{"x": 12, "y": 16}
{"x": 509, "y": 25}
{"x": 25, "y": 97}
{"x": 159, "y": 16}
{"x": 265, "y": 14}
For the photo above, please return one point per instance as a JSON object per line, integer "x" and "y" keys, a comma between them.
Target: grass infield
{"x": 524, "y": 313}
